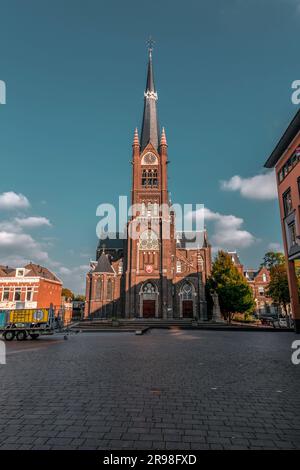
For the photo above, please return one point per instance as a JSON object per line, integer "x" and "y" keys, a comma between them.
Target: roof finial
{"x": 136, "y": 137}
{"x": 163, "y": 140}
{"x": 150, "y": 44}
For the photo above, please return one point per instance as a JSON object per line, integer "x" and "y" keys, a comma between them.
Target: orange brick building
{"x": 162, "y": 272}
{"x": 258, "y": 280}
{"x": 285, "y": 158}
{"x": 31, "y": 286}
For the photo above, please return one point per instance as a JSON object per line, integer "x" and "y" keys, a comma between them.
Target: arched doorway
{"x": 148, "y": 300}
{"x": 187, "y": 300}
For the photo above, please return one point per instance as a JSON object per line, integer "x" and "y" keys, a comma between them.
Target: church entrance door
{"x": 148, "y": 308}
{"x": 187, "y": 308}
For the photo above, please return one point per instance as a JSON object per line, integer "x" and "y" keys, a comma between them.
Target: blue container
{"x": 3, "y": 318}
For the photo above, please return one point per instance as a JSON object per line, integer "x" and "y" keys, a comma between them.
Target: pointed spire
{"x": 136, "y": 138}
{"x": 150, "y": 86}
{"x": 150, "y": 128}
{"x": 163, "y": 139}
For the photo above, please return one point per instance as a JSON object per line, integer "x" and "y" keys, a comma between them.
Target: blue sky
{"x": 75, "y": 75}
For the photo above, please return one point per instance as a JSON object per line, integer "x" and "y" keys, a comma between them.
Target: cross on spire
{"x": 150, "y": 44}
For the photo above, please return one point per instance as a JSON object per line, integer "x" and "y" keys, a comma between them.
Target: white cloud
{"x": 32, "y": 222}
{"x": 10, "y": 200}
{"x": 10, "y": 226}
{"x": 74, "y": 277}
{"x": 274, "y": 246}
{"x": 20, "y": 245}
{"x": 261, "y": 187}
{"x": 227, "y": 231}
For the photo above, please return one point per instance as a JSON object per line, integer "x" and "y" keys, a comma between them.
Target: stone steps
{"x": 131, "y": 325}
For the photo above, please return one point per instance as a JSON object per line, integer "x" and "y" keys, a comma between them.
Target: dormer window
{"x": 20, "y": 272}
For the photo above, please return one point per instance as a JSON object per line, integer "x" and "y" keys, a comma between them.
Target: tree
{"x": 79, "y": 298}
{"x": 67, "y": 293}
{"x": 235, "y": 295}
{"x": 278, "y": 288}
{"x": 272, "y": 258}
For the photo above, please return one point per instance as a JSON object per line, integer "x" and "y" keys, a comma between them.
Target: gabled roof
{"x": 285, "y": 141}
{"x": 32, "y": 270}
{"x": 6, "y": 271}
{"x": 234, "y": 257}
{"x": 41, "y": 271}
{"x": 250, "y": 274}
{"x": 103, "y": 265}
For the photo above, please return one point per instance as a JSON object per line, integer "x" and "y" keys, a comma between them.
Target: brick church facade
{"x": 158, "y": 273}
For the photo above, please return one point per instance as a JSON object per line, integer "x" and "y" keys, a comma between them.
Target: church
{"x": 160, "y": 273}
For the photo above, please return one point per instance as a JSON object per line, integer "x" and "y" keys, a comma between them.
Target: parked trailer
{"x": 24, "y": 323}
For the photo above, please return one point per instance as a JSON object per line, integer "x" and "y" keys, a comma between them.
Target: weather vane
{"x": 150, "y": 44}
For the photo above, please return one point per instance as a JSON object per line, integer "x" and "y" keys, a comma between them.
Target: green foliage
{"x": 272, "y": 259}
{"x": 278, "y": 288}
{"x": 67, "y": 293}
{"x": 235, "y": 295}
{"x": 79, "y": 298}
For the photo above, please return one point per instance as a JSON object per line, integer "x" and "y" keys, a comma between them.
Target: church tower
{"x": 157, "y": 272}
{"x": 151, "y": 251}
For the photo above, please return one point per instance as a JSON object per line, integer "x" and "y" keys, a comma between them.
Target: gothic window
{"x": 143, "y": 208}
{"x": 149, "y": 209}
{"x": 149, "y": 288}
{"x": 200, "y": 261}
{"x": 187, "y": 291}
{"x": 149, "y": 159}
{"x": 109, "y": 290}
{"x": 148, "y": 240}
{"x": 121, "y": 267}
{"x": 98, "y": 288}
{"x": 178, "y": 266}
{"x": 149, "y": 178}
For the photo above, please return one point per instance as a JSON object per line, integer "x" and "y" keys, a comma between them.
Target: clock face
{"x": 149, "y": 159}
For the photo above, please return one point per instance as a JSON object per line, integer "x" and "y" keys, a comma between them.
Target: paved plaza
{"x": 168, "y": 389}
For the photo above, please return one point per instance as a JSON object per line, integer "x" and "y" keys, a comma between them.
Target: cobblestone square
{"x": 168, "y": 389}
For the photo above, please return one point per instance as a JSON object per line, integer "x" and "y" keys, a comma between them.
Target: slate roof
{"x": 191, "y": 239}
{"x": 103, "y": 265}
{"x": 32, "y": 271}
{"x": 284, "y": 142}
{"x": 234, "y": 257}
{"x": 150, "y": 127}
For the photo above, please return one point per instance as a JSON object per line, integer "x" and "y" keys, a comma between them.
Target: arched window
{"x": 149, "y": 178}
{"x": 120, "y": 267}
{"x": 187, "y": 291}
{"x": 148, "y": 288}
{"x": 200, "y": 261}
{"x": 98, "y": 295}
{"x": 109, "y": 290}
